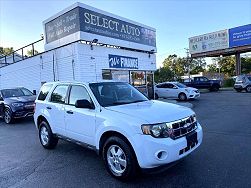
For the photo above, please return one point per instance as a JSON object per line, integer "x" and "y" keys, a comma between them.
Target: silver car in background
{"x": 243, "y": 82}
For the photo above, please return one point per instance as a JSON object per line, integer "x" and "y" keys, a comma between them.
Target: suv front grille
{"x": 183, "y": 126}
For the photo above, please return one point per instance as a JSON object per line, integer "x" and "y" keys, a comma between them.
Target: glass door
{"x": 138, "y": 80}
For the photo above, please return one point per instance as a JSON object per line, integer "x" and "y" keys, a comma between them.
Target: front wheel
{"x": 119, "y": 159}
{"x": 214, "y": 88}
{"x": 182, "y": 97}
{"x": 8, "y": 119}
{"x": 46, "y": 137}
{"x": 248, "y": 89}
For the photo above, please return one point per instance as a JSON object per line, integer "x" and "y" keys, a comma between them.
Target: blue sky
{"x": 175, "y": 21}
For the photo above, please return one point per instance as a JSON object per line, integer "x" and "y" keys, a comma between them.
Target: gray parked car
{"x": 243, "y": 82}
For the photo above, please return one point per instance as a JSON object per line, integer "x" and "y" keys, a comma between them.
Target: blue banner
{"x": 121, "y": 62}
{"x": 240, "y": 36}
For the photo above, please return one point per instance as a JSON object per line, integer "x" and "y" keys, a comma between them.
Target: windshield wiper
{"x": 129, "y": 102}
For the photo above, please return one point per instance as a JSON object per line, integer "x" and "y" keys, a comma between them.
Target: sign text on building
{"x": 116, "y": 61}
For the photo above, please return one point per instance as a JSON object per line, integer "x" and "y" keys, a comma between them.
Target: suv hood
{"x": 22, "y": 99}
{"x": 153, "y": 111}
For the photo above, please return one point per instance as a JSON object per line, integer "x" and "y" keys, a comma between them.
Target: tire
{"x": 46, "y": 137}
{"x": 8, "y": 119}
{"x": 238, "y": 90}
{"x": 182, "y": 97}
{"x": 120, "y": 160}
{"x": 248, "y": 89}
{"x": 214, "y": 88}
{"x": 156, "y": 96}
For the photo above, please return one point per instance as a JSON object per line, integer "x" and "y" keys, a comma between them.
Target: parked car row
{"x": 112, "y": 118}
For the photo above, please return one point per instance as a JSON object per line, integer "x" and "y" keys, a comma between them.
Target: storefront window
{"x": 138, "y": 80}
{"x": 106, "y": 75}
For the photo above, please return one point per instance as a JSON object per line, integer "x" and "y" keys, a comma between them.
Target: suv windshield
{"x": 116, "y": 93}
{"x": 18, "y": 92}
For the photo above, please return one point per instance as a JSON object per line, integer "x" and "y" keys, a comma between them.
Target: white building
{"x": 86, "y": 44}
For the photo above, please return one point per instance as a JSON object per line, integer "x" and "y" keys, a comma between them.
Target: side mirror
{"x": 34, "y": 92}
{"x": 175, "y": 87}
{"x": 1, "y": 98}
{"x": 84, "y": 104}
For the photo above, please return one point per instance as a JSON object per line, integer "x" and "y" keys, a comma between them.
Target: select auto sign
{"x": 89, "y": 21}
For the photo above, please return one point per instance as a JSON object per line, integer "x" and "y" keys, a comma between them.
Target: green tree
{"x": 227, "y": 65}
{"x": 246, "y": 65}
{"x": 197, "y": 65}
{"x": 177, "y": 65}
{"x": 6, "y": 51}
{"x": 212, "y": 67}
{"x": 163, "y": 74}
{"x": 29, "y": 52}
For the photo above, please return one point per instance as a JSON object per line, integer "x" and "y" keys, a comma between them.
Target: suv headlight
{"x": 17, "y": 104}
{"x": 162, "y": 130}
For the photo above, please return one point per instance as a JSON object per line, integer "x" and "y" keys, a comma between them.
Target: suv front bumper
{"x": 148, "y": 149}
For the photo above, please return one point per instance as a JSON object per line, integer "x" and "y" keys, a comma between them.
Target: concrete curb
{"x": 186, "y": 104}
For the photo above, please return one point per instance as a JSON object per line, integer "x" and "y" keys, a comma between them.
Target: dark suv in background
{"x": 16, "y": 103}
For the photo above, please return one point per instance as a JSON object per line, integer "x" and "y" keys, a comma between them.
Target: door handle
{"x": 48, "y": 107}
{"x": 69, "y": 112}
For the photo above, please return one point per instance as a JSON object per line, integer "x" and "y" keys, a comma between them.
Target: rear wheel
{"x": 182, "y": 97}
{"x": 46, "y": 137}
{"x": 248, "y": 89}
{"x": 119, "y": 159}
{"x": 8, "y": 119}
{"x": 214, "y": 88}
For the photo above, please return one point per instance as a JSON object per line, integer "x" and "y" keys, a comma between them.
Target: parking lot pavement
{"x": 223, "y": 160}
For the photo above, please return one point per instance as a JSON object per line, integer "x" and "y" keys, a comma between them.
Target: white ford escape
{"x": 117, "y": 121}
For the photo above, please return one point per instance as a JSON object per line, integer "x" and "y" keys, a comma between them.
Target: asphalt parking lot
{"x": 223, "y": 160}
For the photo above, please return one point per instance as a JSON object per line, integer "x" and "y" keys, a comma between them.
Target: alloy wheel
{"x": 116, "y": 159}
{"x": 7, "y": 116}
{"x": 44, "y": 135}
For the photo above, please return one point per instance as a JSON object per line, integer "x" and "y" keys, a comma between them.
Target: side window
{"x": 44, "y": 92}
{"x": 59, "y": 94}
{"x": 78, "y": 93}
{"x": 170, "y": 86}
{"x": 159, "y": 85}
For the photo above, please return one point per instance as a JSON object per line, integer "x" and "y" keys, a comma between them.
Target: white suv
{"x": 117, "y": 121}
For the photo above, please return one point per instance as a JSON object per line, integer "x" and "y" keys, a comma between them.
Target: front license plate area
{"x": 192, "y": 139}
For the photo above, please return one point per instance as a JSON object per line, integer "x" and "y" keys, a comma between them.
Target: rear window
{"x": 44, "y": 92}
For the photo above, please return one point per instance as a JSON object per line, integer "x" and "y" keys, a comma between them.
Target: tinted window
{"x": 116, "y": 93}
{"x": 26, "y": 92}
{"x": 249, "y": 77}
{"x": 44, "y": 92}
{"x": 78, "y": 93}
{"x": 169, "y": 85}
{"x": 15, "y": 93}
{"x": 59, "y": 94}
{"x": 160, "y": 86}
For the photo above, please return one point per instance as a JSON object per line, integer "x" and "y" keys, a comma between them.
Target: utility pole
{"x": 188, "y": 61}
